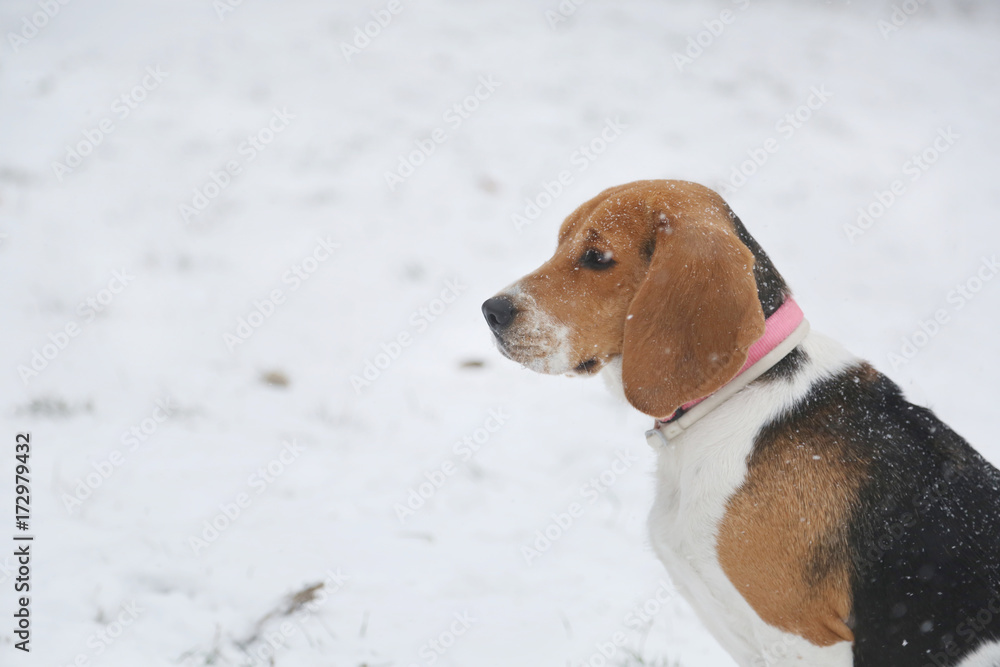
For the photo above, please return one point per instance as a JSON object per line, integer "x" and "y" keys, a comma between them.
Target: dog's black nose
{"x": 499, "y": 312}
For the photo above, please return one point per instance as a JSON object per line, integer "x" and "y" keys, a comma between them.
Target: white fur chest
{"x": 694, "y": 481}
{"x": 697, "y": 473}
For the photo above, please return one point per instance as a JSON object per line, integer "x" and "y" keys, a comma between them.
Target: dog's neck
{"x": 784, "y": 330}
{"x": 612, "y": 374}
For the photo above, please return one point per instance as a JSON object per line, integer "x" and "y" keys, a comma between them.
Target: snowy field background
{"x": 150, "y": 421}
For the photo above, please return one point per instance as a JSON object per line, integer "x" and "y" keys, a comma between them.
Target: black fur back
{"x": 926, "y": 587}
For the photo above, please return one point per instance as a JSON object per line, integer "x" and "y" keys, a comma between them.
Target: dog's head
{"x": 652, "y": 275}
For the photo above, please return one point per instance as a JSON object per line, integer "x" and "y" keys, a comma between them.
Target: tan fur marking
{"x": 784, "y": 539}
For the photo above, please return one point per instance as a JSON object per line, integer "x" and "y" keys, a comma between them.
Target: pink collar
{"x": 783, "y": 330}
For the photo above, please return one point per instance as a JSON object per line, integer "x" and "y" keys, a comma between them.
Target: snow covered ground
{"x": 201, "y": 247}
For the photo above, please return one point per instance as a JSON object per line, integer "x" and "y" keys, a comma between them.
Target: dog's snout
{"x": 499, "y": 312}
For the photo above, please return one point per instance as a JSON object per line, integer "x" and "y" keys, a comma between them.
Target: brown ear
{"x": 694, "y": 318}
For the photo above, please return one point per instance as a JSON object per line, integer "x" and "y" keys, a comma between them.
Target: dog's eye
{"x": 596, "y": 259}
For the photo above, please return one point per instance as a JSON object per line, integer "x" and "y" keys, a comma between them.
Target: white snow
{"x": 307, "y": 240}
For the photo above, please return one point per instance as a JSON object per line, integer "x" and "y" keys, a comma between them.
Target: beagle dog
{"x": 806, "y": 510}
